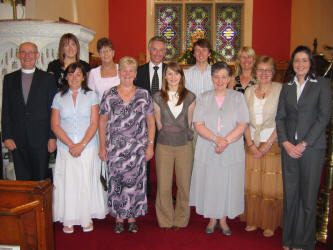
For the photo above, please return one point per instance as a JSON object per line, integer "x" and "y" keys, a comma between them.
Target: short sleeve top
{"x": 126, "y": 120}
{"x": 100, "y": 84}
{"x": 75, "y": 120}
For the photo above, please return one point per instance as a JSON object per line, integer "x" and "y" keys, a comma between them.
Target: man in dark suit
{"x": 26, "y": 110}
{"x": 149, "y": 76}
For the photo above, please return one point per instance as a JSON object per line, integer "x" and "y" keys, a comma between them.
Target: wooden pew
{"x": 26, "y": 214}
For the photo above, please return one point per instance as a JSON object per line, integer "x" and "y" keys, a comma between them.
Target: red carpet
{"x": 151, "y": 237}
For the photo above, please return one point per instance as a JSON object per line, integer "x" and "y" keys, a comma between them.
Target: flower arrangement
{"x": 187, "y": 56}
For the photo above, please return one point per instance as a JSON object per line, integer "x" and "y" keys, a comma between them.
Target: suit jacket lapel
{"x": 18, "y": 88}
{"x": 163, "y": 67}
{"x": 292, "y": 95}
{"x": 305, "y": 92}
{"x": 147, "y": 77}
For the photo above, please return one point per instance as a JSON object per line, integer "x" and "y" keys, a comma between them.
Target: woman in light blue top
{"x": 78, "y": 194}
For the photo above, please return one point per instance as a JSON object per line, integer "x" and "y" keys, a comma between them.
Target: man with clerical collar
{"x": 198, "y": 78}
{"x": 26, "y": 111}
{"x": 149, "y": 76}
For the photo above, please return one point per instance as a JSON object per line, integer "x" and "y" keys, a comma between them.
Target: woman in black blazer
{"x": 303, "y": 113}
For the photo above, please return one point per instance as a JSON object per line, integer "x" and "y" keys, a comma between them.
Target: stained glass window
{"x": 228, "y": 30}
{"x": 179, "y": 20}
{"x": 198, "y": 18}
{"x": 168, "y": 25}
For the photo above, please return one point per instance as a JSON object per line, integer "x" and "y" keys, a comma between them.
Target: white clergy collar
{"x": 28, "y": 71}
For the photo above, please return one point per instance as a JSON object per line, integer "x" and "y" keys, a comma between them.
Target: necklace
{"x": 262, "y": 93}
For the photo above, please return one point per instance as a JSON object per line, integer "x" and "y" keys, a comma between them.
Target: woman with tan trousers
{"x": 174, "y": 106}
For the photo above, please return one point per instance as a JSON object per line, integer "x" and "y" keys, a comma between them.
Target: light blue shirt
{"x": 75, "y": 120}
{"x": 198, "y": 82}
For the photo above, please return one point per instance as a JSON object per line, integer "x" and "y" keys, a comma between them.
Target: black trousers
{"x": 31, "y": 164}
{"x": 149, "y": 186}
{"x": 301, "y": 180}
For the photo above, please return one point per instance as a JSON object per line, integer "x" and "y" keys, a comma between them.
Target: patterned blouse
{"x": 238, "y": 86}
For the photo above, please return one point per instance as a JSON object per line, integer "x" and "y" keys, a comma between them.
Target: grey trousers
{"x": 301, "y": 180}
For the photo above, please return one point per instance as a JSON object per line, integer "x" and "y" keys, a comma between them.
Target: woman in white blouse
{"x": 105, "y": 76}
{"x": 263, "y": 174}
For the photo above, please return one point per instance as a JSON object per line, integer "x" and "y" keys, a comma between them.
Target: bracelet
{"x": 84, "y": 144}
{"x": 213, "y": 138}
{"x": 151, "y": 142}
{"x": 304, "y": 144}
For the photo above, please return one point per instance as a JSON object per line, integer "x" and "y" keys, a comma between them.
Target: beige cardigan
{"x": 269, "y": 112}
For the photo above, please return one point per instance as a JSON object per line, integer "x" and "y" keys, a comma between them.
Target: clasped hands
{"x": 260, "y": 151}
{"x": 76, "y": 149}
{"x": 292, "y": 150}
{"x": 221, "y": 144}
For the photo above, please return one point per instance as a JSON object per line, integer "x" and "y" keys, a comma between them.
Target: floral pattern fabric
{"x": 126, "y": 142}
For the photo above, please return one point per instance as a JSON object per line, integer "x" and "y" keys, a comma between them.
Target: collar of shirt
{"x": 307, "y": 79}
{"x": 299, "y": 87}
{"x": 159, "y": 73}
{"x": 28, "y": 71}
{"x": 70, "y": 92}
{"x": 151, "y": 66}
{"x": 208, "y": 68}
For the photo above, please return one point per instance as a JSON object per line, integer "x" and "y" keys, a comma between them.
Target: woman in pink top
{"x": 105, "y": 76}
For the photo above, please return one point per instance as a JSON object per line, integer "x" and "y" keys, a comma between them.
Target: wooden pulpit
{"x": 26, "y": 214}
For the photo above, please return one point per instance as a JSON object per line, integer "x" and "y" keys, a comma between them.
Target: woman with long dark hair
{"x": 78, "y": 193}
{"x": 68, "y": 52}
{"x": 174, "y": 106}
{"x": 303, "y": 113}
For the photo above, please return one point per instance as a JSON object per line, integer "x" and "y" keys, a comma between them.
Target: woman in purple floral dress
{"x": 126, "y": 131}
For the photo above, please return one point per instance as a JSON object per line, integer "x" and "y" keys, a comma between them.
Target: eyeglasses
{"x": 264, "y": 71}
{"x": 223, "y": 78}
{"x": 30, "y": 53}
{"x": 105, "y": 51}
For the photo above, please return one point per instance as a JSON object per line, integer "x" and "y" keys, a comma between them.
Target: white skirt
{"x": 78, "y": 195}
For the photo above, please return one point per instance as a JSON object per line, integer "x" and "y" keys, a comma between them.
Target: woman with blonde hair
{"x": 126, "y": 133}
{"x": 263, "y": 174}
{"x": 244, "y": 75}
